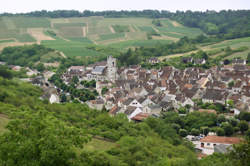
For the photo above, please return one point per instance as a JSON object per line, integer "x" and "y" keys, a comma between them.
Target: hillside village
{"x": 140, "y": 93}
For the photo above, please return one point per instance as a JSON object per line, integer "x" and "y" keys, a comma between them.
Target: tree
{"x": 240, "y": 153}
{"x": 221, "y": 118}
{"x": 248, "y": 58}
{"x": 244, "y": 116}
{"x": 75, "y": 80}
{"x": 40, "y": 139}
{"x": 205, "y": 130}
{"x": 104, "y": 90}
{"x": 183, "y": 132}
{"x": 243, "y": 125}
{"x": 195, "y": 132}
{"x": 220, "y": 132}
{"x": 40, "y": 67}
{"x": 5, "y": 73}
{"x": 63, "y": 98}
{"x": 228, "y": 129}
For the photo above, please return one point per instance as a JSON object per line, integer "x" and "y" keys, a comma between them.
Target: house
{"x": 140, "y": 117}
{"x": 97, "y": 104}
{"x": 208, "y": 144}
{"x": 187, "y": 60}
{"x": 239, "y": 61}
{"x": 153, "y": 60}
{"x": 210, "y": 111}
{"x": 200, "y": 61}
{"x": 2, "y": 63}
{"x": 132, "y": 111}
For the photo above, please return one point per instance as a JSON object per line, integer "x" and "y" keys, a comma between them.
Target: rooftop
{"x": 222, "y": 140}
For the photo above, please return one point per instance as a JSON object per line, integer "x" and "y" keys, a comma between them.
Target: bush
{"x": 183, "y": 132}
{"x": 220, "y": 132}
{"x": 195, "y": 132}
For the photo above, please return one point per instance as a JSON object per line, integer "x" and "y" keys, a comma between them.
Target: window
{"x": 214, "y": 144}
{"x": 208, "y": 144}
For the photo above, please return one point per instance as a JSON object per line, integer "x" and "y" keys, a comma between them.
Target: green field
{"x": 74, "y": 35}
{"x": 7, "y": 41}
{"x": 71, "y": 48}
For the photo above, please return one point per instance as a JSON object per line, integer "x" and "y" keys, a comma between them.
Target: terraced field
{"x": 217, "y": 49}
{"x": 74, "y": 35}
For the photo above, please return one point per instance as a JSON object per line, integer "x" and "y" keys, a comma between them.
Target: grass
{"x": 60, "y": 25}
{"x": 146, "y": 29}
{"x": 25, "y": 38}
{"x": 3, "y": 122}
{"x": 111, "y": 36}
{"x": 120, "y": 28}
{"x": 82, "y": 40}
{"x": 30, "y": 22}
{"x": 99, "y": 145}
{"x": 71, "y": 48}
{"x": 139, "y": 43}
{"x": 7, "y": 41}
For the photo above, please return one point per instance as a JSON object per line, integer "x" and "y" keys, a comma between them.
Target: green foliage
{"x": 5, "y": 73}
{"x": 104, "y": 90}
{"x": 228, "y": 129}
{"x": 42, "y": 138}
{"x": 195, "y": 132}
{"x": 24, "y": 55}
{"x": 220, "y": 132}
{"x": 231, "y": 84}
{"x": 243, "y": 126}
{"x": 183, "y": 132}
{"x": 157, "y": 23}
{"x": 244, "y": 116}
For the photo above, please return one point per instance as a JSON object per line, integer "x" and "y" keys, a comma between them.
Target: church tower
{"x": 112, "y": 68}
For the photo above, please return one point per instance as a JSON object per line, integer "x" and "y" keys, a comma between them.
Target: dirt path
{"x": 38, "y": 34}
{"x": 84, "y": 31}
{"x": 111, "y": 29}
{"x": 131, "y": 28}
{"x": 2, "y": 46}
{"x": 156, "y": 30}
{"x": 165, "y": 38}
{"x": 63, "y": 55}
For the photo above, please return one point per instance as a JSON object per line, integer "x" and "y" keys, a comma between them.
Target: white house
{"x": 208, "y": 143}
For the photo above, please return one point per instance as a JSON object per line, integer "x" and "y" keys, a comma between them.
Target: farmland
{"x": 74, "y": 36}
{"x": 217, "y": 49}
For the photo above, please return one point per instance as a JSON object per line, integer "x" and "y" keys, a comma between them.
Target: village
{"x": 140, "y": 93}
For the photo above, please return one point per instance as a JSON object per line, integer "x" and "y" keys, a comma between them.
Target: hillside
{"x": 73, "y": 35}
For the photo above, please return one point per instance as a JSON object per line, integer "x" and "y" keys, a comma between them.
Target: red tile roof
{"x": 140, "y": 116}
{"x": 222, "y": 140}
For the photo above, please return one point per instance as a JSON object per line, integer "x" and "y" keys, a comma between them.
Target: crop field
{"x": 217, "y": 49}
{"x": 73, "y": 35}
{"x": 71, "y": 48}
